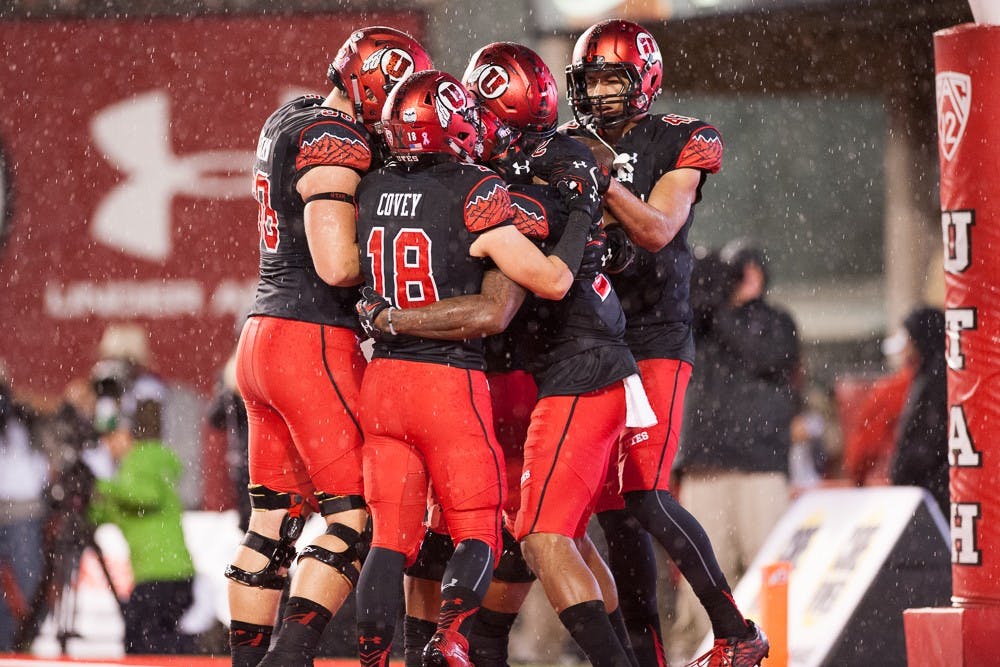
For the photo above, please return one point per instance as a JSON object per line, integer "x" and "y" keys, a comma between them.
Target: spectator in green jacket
{"x": 142, "y": 500}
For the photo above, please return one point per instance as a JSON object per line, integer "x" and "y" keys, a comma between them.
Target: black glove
{"x": 371, "y": 304}
{"x": 579, "y": 195}
{"x": 593, "y": 254}
{"x": 620, "y": 251}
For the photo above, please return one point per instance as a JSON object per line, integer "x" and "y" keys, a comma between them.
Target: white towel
{"x": 638, "y": 412}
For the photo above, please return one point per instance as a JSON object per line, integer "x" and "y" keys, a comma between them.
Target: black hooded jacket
{"x": 742, "y": 396}
{"x": 921, "y": 455}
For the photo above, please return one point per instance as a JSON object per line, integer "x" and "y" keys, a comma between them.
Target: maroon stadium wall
{"x": 126, "y": 149}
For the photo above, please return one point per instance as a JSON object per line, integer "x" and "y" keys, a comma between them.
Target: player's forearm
{"x": 457, "y": 318}
{"x": 647, "y": 227}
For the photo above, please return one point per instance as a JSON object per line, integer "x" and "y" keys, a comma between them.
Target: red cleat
{"x": 733, "y": 652}
{"x": 447, "y": 648}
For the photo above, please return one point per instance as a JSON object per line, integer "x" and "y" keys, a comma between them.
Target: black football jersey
{"x": 557, "y": 158}
{"x": 415, "y": 228}
{"x": 655, "y": 288}
{"x": 300, "y": 135}
{"x": 577, "y": 344}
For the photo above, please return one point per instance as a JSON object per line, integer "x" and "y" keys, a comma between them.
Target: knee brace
{"x": 279, "y": 552}
{"x": 341, "y": 561}
{"x": 333, "y": 504}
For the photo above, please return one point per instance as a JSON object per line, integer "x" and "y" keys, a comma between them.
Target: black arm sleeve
{"x": 570, "y": 246}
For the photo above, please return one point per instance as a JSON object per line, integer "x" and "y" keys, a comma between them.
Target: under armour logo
{"x": 579, "y": 164}
{"x": 623, "y": 164}
{"x": 518, "y": 168}
{"x": 134, "y": 136}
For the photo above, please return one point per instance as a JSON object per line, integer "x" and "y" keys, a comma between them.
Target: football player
{"x": 299, "y": 364}
{"x": 580, "y": 362}
{"x": 429, "y": 225}
{"x": 659, "y": 164}
{"x": 513, "y": 82}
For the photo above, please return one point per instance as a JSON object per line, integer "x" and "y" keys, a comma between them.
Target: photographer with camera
{"x": 733, "y": 459}
{"x": 23, "y": 476}
{"x": 141, "y": 498}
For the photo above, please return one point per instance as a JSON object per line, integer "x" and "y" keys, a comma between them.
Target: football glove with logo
{"x": 368, "y": 307}
{"x": 594, "y": 252}
{"x": 619, "y": 250}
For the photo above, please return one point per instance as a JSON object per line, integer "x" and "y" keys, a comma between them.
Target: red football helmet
{"x": 624, "y": 48}
{"x": 515, "y": 84}
{"x": 431, "y": 113}
{"x": 370, "y": 63}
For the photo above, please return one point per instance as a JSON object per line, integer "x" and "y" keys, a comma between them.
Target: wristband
{"x": 389, "y": 318}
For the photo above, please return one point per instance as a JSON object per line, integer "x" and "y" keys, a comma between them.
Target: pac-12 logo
{"x": 954, "y": 100}
{"x": 491, "y": 80}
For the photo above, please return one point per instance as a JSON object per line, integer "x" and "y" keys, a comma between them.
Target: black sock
{"x": 646, "y": 636}
{"x": 248, "y": 642}
{"x": 302, "y": 625}
{"x": 618, "y": 625}
{"x": 632, "y": 561}
{"x": 688, "y": 546}
{"x": 490, "y": 637}
{"x": 377, "y": 605}
{"x": 416, "y": 633}
{"x": 458, "y": 609}
{"x": 588, "y": 623}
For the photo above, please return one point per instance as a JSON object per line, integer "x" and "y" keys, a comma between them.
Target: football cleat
{"x": 447, "y": 648}
{"x": 733, "y": 652}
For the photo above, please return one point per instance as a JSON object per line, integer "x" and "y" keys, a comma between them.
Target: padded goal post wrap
{"x": 967, "y": 61}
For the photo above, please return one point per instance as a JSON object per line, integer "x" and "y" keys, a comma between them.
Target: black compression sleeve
{"x": 570, "y": 246}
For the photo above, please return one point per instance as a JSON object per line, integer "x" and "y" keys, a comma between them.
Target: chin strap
{"x": 621, "y": 160}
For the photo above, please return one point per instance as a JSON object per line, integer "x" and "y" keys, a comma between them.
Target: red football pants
{"x": 426, "y": 422}
{"x": 301, "y": 384}
{"x": 570, "y": 442}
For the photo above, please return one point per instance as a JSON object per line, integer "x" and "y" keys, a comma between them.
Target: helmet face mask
{"x": 607, "y": 49}
{"x": 609, "y": 109}
{"x": 495, "y": 137}
{"x": 370, "y": 63}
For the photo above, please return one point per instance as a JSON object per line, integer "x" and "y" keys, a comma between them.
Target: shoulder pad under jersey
{"x": 487, "y": 204}
{"x": 333, "y": 139}
{"x": 530, "y": 216}
{"x": 703, "y": 150}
